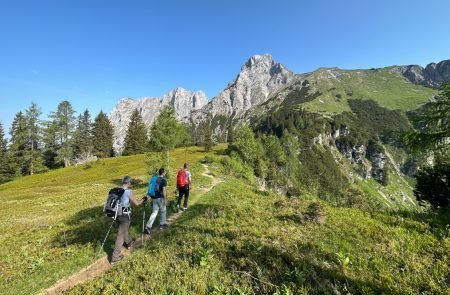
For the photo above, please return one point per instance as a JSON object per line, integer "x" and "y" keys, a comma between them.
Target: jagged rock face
{"x": 183, "y": 101}
{"x": 432, "y": 75}
{"x": 378, "y": 162}
{"x": 259, "y": 77}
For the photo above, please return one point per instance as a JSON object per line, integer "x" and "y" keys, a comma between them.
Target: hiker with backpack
{"x": 123, "y": 216}
{"x": 159, "y": 201}
{"x": 183, "y": 186}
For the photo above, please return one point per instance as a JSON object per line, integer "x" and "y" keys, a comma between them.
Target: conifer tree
{"x": 65, "y": 123}
{"x": 19, "y": 144}
{"x": 136, "y": 141}
{"x": 5, "y": 173}
{"x": 205, "y": 134}
{"x": 51, "y": 144}
{"x": 166, "y": 132}
{"x": 83, "y": 144}
{"x": 103, "y": 136}
{"x": 33, "y": 158}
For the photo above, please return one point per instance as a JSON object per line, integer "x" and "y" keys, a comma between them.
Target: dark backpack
{"x": 113, "y": 205}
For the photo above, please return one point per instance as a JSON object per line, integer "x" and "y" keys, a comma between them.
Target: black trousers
{"x": 183, "y": 191}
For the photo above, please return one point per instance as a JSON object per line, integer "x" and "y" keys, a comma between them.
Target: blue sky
{"x": 94, "y": 52}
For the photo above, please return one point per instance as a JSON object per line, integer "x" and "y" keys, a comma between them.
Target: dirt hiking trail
{"x": 101, "y": 265}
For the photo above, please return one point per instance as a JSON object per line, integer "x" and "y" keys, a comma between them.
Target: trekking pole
{"x": 107, "y": 234}
{"x": 143, "y": 224}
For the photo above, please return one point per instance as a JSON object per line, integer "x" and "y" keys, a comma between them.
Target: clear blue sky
{"x": 94, "y": 52}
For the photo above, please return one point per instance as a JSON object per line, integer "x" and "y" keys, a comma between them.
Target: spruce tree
{"x": 33, "y": 158}
{"x": 103, "y": 136}
{"x": 83, "y": 144}
{"x": 166, "y": 132}
{"x": 433, "y": 122}
{"x": 65, "y": 123}
{"x": 205, "y": 134}
{"x": 5, "y": 173}
{"x": 51, "y": 144}
{"x": 136, "y": 141}
{"x": 19, "y": 144}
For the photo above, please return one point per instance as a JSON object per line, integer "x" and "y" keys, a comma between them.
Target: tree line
{"x": 64, "y": 139}
{"x": 36, "y": 145}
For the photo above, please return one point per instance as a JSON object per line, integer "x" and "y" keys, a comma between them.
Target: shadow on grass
{"x": 89, "y": 227}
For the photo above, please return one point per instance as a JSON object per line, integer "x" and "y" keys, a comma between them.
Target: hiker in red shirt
{"x": 183, "y": 186}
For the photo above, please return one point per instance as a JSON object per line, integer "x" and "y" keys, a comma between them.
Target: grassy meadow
{"x": 53, "y": 223}
{"x": 389, "y": 89}
{"x": 234, "y": 239}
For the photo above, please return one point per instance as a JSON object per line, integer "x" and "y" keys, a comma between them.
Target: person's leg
{"x": 186, "y": 196}
{"x": 154, "y": 213}
{"x": 163, "y": 212}
{"x": 127, "y": 238}
{"x": 180, "y": 196}
{"x": 122, "y": 233}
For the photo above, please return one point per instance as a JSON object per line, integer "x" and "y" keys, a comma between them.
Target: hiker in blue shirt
{"x": 152, "y": 185}
{"x": 159, "y": 201}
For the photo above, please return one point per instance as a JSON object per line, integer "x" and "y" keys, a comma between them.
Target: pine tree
{"x": 33, "y": 158}
{"x": 83, "y": 143}
{"x": 51, "y": 144}
{"x": 205, "y": 134}
{"x": 432, "y": 137}
{"x": 19, "y": 144}
{"x": 136, "y": 141}
{"x": 434, "y": 125}
{"x": 103, "y": 136}
{"x": 166, "y": 132}
{"x": 65, "y": 122}
{"x": 5, "y": 173}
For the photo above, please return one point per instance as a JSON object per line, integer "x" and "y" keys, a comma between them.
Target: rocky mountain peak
{"x": 183, "y": 101}
{"x": 259, "y": 60}
{"x": 258, "y": 78}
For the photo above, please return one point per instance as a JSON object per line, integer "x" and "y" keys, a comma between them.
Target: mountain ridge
{"x": 258, "y": 81}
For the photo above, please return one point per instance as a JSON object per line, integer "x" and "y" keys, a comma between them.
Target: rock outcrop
{"x": 431, "y": 76}
{"x": 183, "y": 101}
{"x": 259, "y": 77}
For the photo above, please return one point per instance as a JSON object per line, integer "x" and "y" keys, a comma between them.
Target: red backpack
{"x": 181, "y": 178}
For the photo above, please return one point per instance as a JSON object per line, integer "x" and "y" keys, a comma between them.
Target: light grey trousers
{"x": 157, "y": 205}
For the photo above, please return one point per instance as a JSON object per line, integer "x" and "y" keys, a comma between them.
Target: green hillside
{"x": 53, "y": 223}
{"x": 390, "y": 90}
{"x": 233, "y": 239}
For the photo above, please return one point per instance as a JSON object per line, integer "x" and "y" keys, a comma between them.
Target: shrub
{"x": 315, "y": 212}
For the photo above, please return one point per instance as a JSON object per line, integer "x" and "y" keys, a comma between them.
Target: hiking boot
{"x": 115, "y": 260}
{"x": 163, "y": 226}
{"x": 184, "y": 208}
{"x": 130, "y": 244}
{"x": 147, "y": 231}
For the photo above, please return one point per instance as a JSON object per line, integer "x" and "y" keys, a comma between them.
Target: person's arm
{"x": 135, "y": 201}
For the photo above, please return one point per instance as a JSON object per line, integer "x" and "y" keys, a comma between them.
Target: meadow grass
{"x": 389, "y": 89}
{"x": 53, "y": 223}
{"x": 236, "y": 240}
{"x": 233, "y": 239}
